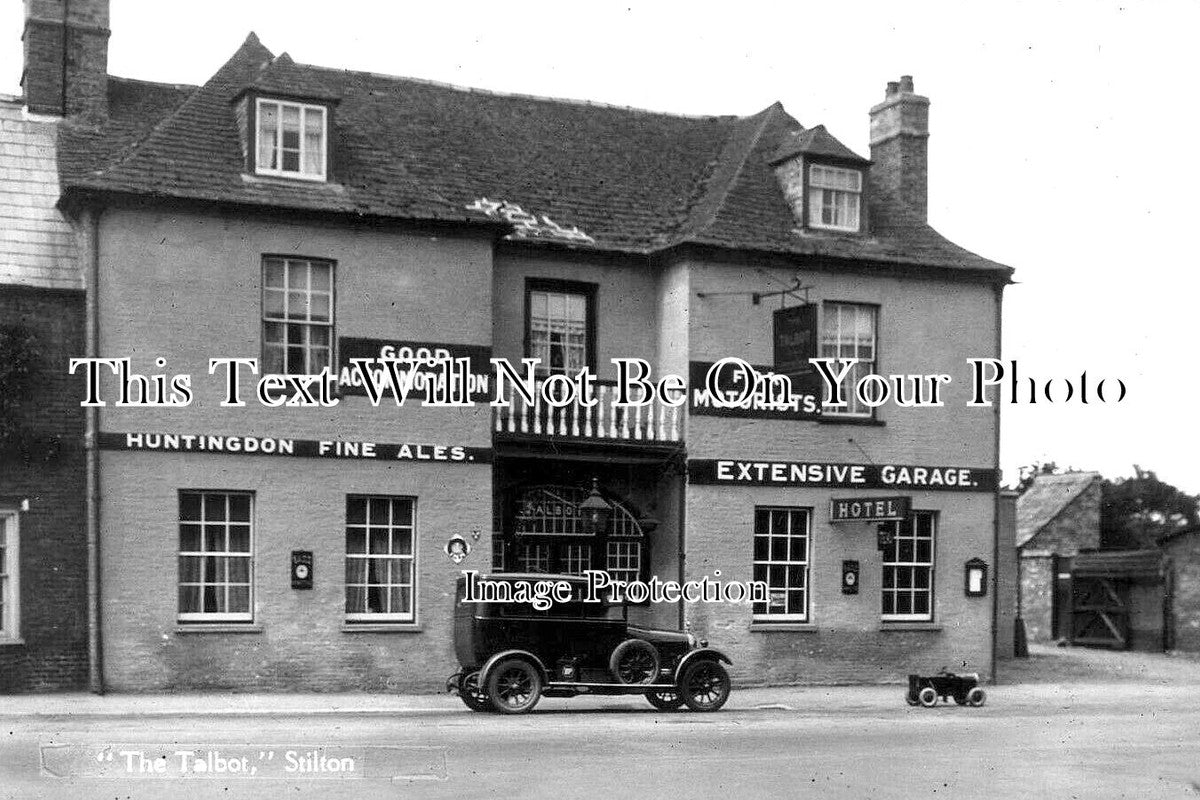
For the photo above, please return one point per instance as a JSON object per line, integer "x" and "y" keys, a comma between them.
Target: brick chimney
{"x": 66, "y": 57}
{"x": 900, "y": 148}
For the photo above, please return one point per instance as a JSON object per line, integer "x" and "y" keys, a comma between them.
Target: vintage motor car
{"x": 926, "y": 689}
{"x": 512, "y": 654}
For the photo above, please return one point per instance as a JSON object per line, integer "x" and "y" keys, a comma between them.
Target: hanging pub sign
{"x": 869, "y": 509}
{"x": 795, "y": 334}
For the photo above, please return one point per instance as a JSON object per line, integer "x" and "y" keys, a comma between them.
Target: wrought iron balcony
{"x": 604, "y": 421}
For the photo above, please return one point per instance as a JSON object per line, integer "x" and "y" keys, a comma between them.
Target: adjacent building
{"x": 1058, "y": 517}
{"x": 305, "y": 217}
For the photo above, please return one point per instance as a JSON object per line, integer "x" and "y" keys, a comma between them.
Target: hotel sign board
{"x": 869, "y": 509}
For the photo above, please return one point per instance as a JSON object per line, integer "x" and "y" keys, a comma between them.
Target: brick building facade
{"x": 43, "y": 561}
{"x": 304, "y": 217}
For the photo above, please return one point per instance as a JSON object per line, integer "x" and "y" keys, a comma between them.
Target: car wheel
{"x": 665, "y": 701}
{"x": 635, "y": 661}
{"x": 927, "y": 697}
{"x": 976, "y": 697}
{"x": 472, "y": 694}
{"x": 704, "y": 685}
{"x": 514, "y": 686}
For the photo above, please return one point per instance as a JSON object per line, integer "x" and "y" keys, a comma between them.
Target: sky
{"x": 1062, "y": 144}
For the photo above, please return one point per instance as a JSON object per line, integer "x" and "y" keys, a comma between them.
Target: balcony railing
{"x": 604, "y": 421}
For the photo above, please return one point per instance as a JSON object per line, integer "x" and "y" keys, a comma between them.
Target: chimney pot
{"x": 899, "y": 152}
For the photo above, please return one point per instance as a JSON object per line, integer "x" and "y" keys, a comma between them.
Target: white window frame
{"x": 836, "y": 184}
{"x": 202, "y": 553}
{"x": 559, "y": 325}
{"x": 304, "y": 110}
{"x": 305, "y": 323}
{"x": 391, "y": 527}
{"x": 836, "y": 310}
{"x": 930, "y": 566}
{"x": 10, "y": 578}
{"x": 792, "y": 512}
{"x": 623, "y": 559}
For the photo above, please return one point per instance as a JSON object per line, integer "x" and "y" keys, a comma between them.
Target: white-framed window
{"x": 781, "y": 561}
{"x": 534, "y": 558}
{"x": 381, "y": 553}
{"x": 576, "y": 558}
{"x": 10, "y": 575}
{"x": 558, "y": 330}
{"x": 624, "y": 559}
{"x": 292, "y": 139}
{"x": 297, "y": 309}
{"x": 215, "y": 556}
{"x": 848, "y": 330}
{"x": 908, "y": 569}
{"x": 834, "y": 197}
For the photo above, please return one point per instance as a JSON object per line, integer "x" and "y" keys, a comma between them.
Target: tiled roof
{"x": 611, "y": 178}
{"x": 816, "y": 141}
{"x": 1045, "y": 498}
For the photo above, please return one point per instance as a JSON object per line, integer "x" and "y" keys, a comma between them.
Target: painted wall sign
{"x": 302, "y": 569}
{"x": 736, "y": 472}
{"x": 351, "y": 347}
{"x": 757, "y": 403}
{"x": 424, "y": 452}
{"x": 869, "y": 509}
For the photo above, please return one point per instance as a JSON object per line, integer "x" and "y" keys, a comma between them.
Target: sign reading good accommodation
{"x": 736, "y": 472}
{"x": 869, "y": 509}
{"x": 299, "y": 448}
{"x": 427, "y": 357}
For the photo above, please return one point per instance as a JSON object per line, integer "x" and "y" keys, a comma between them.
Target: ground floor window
{"x": 380, "y": 559}
{"x": 781, "y": 560}
{"x": 10, "y": 591}
{"x": 908, "y": 569}
{"x": 215, "y": 539}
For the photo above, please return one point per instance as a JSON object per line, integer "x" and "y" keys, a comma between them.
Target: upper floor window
{"x": 848, "y": 331}
{"x": 560, "y": 325}
{"x": 835, "y": 197}
{"x": 297, "y": 315}
{"x": 292, "y": 139}
{"x": 10, "y": 586}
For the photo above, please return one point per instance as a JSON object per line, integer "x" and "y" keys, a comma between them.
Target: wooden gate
{"x": 1099, "y": 613}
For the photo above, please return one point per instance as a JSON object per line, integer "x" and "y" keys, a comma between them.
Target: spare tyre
{"x": 635, "y": 662}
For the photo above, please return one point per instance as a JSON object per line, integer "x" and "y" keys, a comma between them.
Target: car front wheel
{"x": 514, "y": 686}
{"x": 704, "y": 685}
{"x": 665, "y": 701}
{"x": 472, "y": 694}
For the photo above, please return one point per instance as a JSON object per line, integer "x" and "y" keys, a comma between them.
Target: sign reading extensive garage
{"x": 734, "y": 472}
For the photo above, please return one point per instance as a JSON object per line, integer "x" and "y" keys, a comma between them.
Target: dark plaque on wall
{"x": 850, "y": 577}
{"x": 795, "y": 339}
{"x": 302, "y": 569}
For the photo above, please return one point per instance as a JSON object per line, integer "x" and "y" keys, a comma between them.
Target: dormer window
{"x": 834, "y": 197}
{"x": 292, "y": 139}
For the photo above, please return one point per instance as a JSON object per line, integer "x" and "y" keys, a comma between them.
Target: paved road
{"x": 1098, "y": 741}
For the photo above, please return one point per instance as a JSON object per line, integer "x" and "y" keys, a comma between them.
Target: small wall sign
{"x": 302, "y": 569}
{"x": 975, "y": 577}
{"x": 850, "y": 577}
{"x": 870, "y": 509}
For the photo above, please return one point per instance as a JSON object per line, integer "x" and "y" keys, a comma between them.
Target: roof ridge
{"x": 721, "y": 194}
{"x": 145, "y": 82}
{"x": 218, "y": 77}
{"x": 519, "y": 95}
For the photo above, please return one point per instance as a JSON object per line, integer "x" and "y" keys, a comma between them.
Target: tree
{"x": 1135, "y": 512}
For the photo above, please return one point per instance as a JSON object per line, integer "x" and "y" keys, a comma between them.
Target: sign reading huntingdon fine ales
{"x": 738, "y": 472}
{"x": 300, "y": 448}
